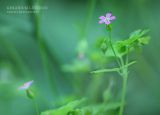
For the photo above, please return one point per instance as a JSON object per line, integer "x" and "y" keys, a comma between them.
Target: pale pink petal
{"x": 108, "y": 15}
{"x": 112, "y": 18}
{"x": 101, "y": 21}
{"x": 26, "y": 85}
{"x": 106, "y": 19}
{"x": 102, "y": 17}
{"x": 107, "y": 22}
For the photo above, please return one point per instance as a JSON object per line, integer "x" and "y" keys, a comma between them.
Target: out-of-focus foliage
{"x": 71, "y": 45}
{"x": 73, "y": 109}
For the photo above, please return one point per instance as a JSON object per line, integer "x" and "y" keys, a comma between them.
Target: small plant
{"x": 30, "y": 94}
{"x": 120, "y": 51}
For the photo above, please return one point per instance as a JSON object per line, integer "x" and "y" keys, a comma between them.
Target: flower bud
{"x": 108, "y": 27}
{"x": 104, "y": 46}
{"x": 30, "y": 94}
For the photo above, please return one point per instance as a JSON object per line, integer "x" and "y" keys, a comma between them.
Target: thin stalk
{"x": 106, "y": 70}
{"x": 127, "y": 55}
{"x": 110, "y": 42}
{"x": 124, "y": 87}
{"x": 36, "y": 107}
{"x": 124, "y": 75}
{"x": 122, "y": 62}
{"x": 91, "y": 7}
{"x": 125, "y": 78}
{"x": 123, "y": 72}
{"x": 43, "y": 51}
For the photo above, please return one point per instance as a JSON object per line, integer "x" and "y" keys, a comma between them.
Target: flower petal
{"x": 101, "y": 21}
{"x": 26, "y": 85}
{"x": 107, "y": 22}
{"x": 112, "y": 18}
{"x": 102, "y": 17}
{"x": 108, "y": 15}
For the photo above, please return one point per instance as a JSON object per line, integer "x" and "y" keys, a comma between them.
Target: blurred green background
{"x": 46, "y": 48}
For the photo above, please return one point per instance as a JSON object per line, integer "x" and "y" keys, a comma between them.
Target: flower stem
{"x": 110, "y": 42}
{"x": 123, "y": 72}
{"x": 124, "y": 86}
{"x": 36, "y": 107}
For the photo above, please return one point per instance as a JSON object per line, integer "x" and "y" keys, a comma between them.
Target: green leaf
{"x": 64, "y": 110}
{"x": 102, "y": 109}
{"x": 138, "y": 33}
{"x": 112, "y": 106}
{"x": 144, "y": 40}
{"x": 137, "y": 37}
{"x": 75, "y": 112}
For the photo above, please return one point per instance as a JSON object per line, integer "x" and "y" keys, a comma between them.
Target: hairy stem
{"x": 124, "y": 87}
{"x": 123, "y": 72}
{"x": 124, "y": 84}
{"x": 111, "y": 44}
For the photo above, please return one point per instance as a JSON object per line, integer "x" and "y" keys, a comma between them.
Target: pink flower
{"x": 26, "y": 85}
{"x": 106, "y": 19}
